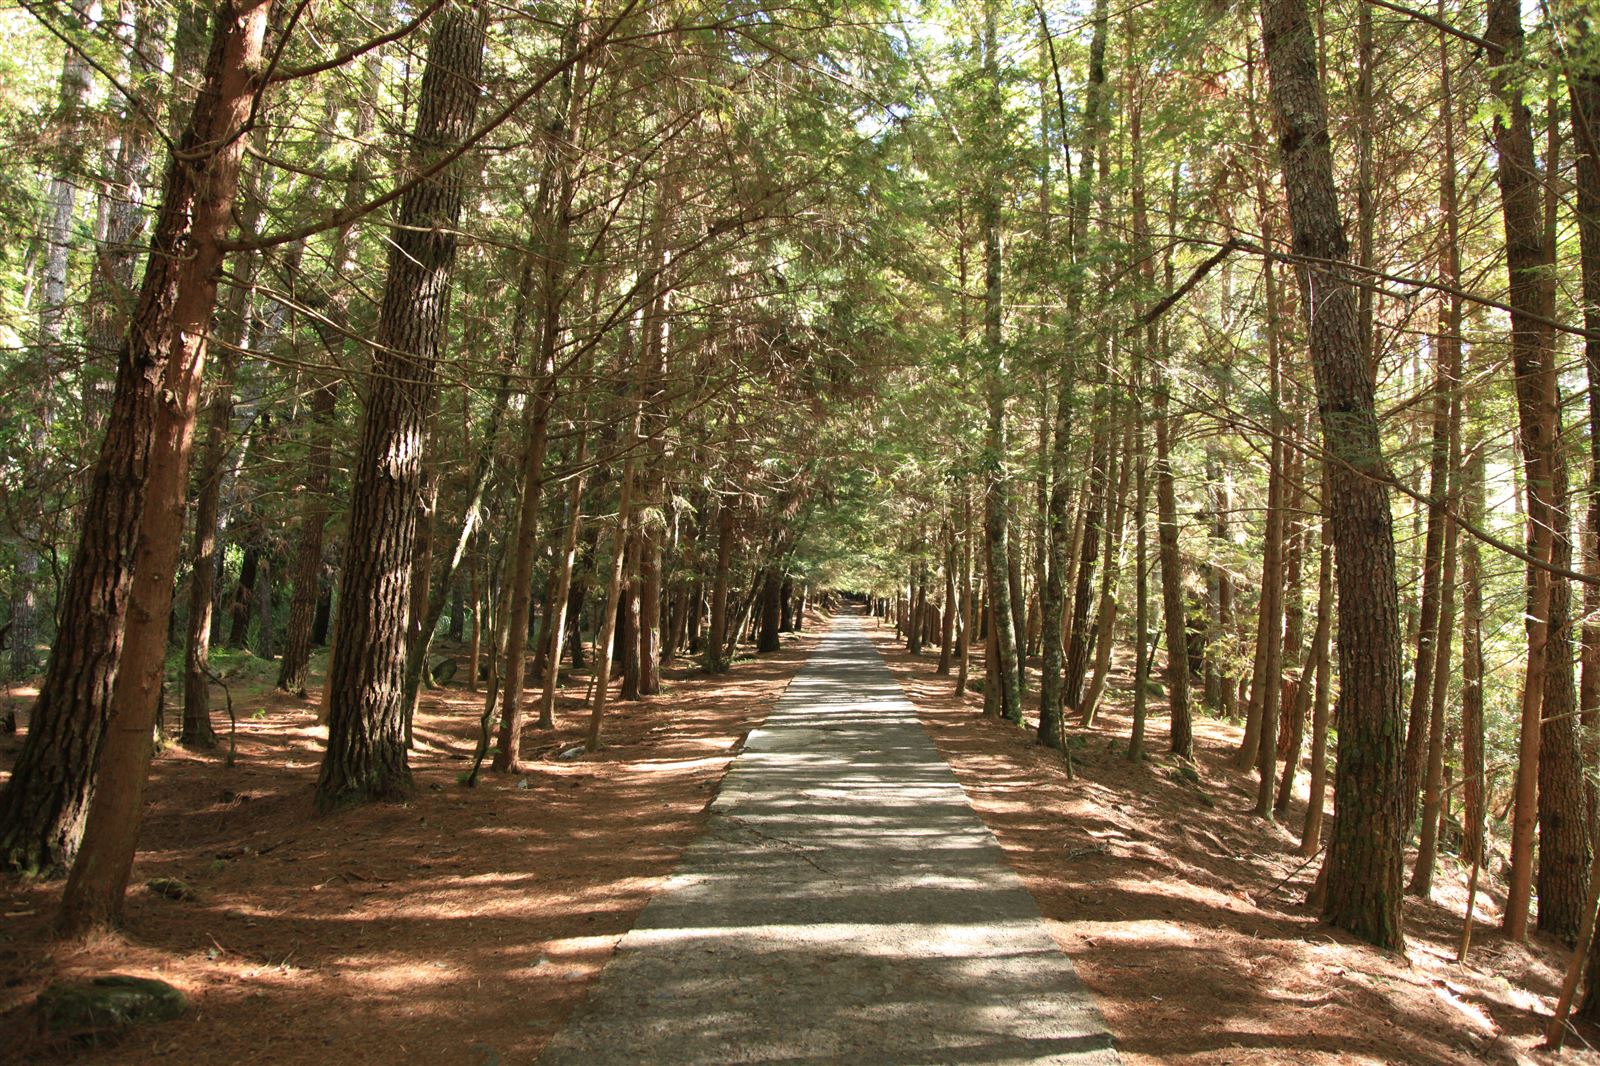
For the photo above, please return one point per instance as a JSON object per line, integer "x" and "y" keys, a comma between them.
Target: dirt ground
{"x": 460, "y": 927}
{"x": 1159, "y": 888}
{"x": 464, "y": 926}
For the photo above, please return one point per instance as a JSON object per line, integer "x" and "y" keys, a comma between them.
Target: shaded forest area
{"x": 428, "y": 406}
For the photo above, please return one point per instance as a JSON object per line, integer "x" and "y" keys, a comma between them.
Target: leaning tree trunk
{"x": 44, "y": 803}
{"x": 366, "y": 755}
{"x": 1363, "y": 867}
{"x": 161, "y": 364}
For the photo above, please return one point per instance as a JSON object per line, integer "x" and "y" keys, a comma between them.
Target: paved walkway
{"x": 845, "y": 905}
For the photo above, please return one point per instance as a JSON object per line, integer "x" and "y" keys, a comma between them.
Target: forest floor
{"x": 461, "y": 927}
{"x": 1172, "y": 902}
{"x": 466, "y": 925}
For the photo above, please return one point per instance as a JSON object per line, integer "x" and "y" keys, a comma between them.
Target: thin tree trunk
{"x": 566, "y": 563}
{"x": 717, "y": 638}
{"x": 1005, "y": 669}
{"x": 968, "y": 600}
{"x": 306, "y": 578}
{"x": 604, "y": 643}
{"x": 1433, "y": 781}
{"x": 947, "y": 620}
{"x": 1110, "y": 574}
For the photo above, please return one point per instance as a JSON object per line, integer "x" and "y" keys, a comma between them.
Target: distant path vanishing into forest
{"x": 844, "y": 905}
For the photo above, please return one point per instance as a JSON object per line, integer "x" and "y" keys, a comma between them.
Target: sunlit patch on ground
{"x": 462, "y": 918}
{"x": 1185, "y": 919}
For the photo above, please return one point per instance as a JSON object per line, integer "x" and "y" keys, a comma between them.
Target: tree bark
{"x": 44, "y": 803}
{"x": 161, "y": 363}
{"x": 772, "y": 611}
{"x": 1362, "y": 872}
{"x": 565, "y": 563}
{"x": 1172, "y": 597}
{"x": 1531, "y": 298}
{"x": 306, "y": 576}
{"x": 1005, "y": 669}
{"x": 366, "y": 754}
{"x": 716, "y": 662}
{"x": 605, "y": 641}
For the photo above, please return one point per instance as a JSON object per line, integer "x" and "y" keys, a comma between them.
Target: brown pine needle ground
{"x": 461, "y": 927}
{"x": 1156, "y": 895}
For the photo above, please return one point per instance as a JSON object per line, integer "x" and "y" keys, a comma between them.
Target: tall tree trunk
{"x": 1110, "y": 575}
{"x": 1446, "y": 464}
{"x": 366, "y": 755}
{"x": 1172, "y": 597}
{"x": 717, "y": 637}
{"x": 524, "y": 547}
{"x": 1475, "y": 792}
{"x": 627, "y": 638}
{"x": 772, "y": 611}
{"x": 1531, "y": 298}
{"x": 1433, "y": 778}
{"x": 135, "y": 517}
{"x": 1583, "y": 84}
{"x": 559, "y": 603}
{"x": 1429, "y": 626}
{"x": 476, "y": 594}
{"x": 1362, "y": 872}
{"x": 306, "y": 575}
{"x": 947, "y": 617}
{"x": 968, "y": 599}
{"x": 1317, "y": 785}
{"x": 145, "y": 450}
{"x": 307, "y": 594}
{"x": 1097, "y": 489}
{"x": 1261, "y": 712}
{"x": 604, "y": 642}
{"x": 72, "y": 98}
{"x": 1004, "y": 670}
{"x": 1058, "y": 534}
{"x": 143, "y": 31}
{"x": 197, "y": 731}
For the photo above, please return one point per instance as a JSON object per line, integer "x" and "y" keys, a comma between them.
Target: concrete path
{"x": 845, "y": 905}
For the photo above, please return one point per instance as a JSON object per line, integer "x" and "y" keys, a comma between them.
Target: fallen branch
{"x": 1259, "y": 900}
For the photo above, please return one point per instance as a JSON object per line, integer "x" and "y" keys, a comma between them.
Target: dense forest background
{"x": 1247, "y": 349}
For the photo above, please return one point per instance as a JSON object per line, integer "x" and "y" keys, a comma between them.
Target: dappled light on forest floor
{"x": 1184, "y": 916}
{"x": 462, "y": 919}
{"x": 843, "y": 905}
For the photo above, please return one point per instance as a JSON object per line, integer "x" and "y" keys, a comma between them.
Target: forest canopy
{"x": 1256, "y": 343}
